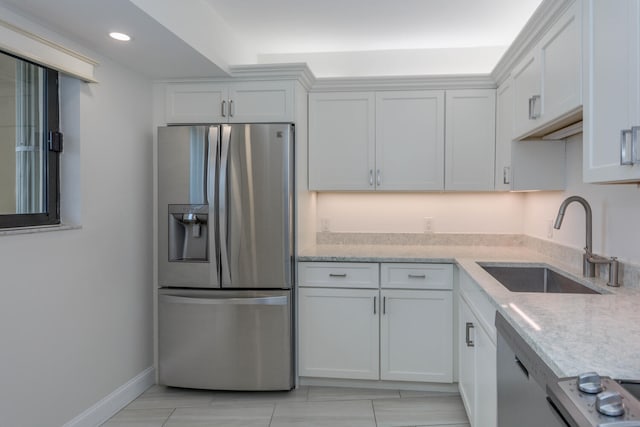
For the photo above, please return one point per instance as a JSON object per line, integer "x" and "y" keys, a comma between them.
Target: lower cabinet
{"x": 416, "y": 336}
{"x": 338, "y": 333}
{"x": 477, "y": 359}
{"x": 377, "y": 334}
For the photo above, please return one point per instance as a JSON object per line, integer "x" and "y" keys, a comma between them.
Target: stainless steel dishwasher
{"x": 522, "y": 381}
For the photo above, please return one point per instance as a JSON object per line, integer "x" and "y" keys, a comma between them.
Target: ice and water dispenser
{"x": 188, "y": 233}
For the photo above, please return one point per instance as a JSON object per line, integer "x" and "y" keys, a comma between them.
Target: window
{"x": 30, "y": 144}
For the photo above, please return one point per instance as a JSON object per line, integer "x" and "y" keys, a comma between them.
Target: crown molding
{"x": 543, "y": 18}
{"x": 472, "y": 81}
{"x": 292, "y": 71}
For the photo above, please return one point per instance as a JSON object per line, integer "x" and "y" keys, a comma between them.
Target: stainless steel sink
{"x": 535, "y": 279}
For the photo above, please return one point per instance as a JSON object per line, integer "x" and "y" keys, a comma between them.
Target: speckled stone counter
{"x": 572, "y": 333}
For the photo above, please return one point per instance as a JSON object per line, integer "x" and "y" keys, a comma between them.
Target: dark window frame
{"x": 53, "y": 146}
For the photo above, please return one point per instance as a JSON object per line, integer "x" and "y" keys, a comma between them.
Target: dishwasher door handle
{"x": 522, "y": 367}
{"x": 173, "y": 299}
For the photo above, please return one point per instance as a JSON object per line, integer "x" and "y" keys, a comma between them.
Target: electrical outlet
{"x": 325, "y": 225}
{"x": 427, "y": 224}
{"x": 549, "y": 223}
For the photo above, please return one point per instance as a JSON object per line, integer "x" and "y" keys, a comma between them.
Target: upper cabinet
{"x": 519, "y": 163}
{"x": 395, "y": 140}
{"x": 376, "y": 140}
{"x": 410, "y": 140}
{"x": 470, "y": 141}
{"x": 612, "y": 91}
{"x": 239, "y": 102}
{"x": 342, "y": 141}
{"x": 547, "y": 83}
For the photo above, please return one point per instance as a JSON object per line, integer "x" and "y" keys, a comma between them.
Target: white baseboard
{"x": 116, "y": 400}
{"x": 375, "y": 384}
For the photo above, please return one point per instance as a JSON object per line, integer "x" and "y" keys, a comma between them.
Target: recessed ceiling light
{"x": 120, "y": 36}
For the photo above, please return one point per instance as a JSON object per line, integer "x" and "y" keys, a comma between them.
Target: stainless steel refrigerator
{"x": 225, "y": 256}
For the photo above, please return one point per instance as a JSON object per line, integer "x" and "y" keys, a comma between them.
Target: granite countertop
{"x": 572, "y": 333}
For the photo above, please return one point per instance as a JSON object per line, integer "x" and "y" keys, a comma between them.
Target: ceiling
{"x": 294, "y": 26}
{"x": 161, "y": 49}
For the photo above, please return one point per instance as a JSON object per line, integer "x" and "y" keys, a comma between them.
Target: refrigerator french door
{"x": 225, "y": 256}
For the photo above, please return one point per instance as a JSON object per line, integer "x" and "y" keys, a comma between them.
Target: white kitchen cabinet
{"x": 524, "y": 165}
{"x": 410, "y": 140}
{"x": 339, "y": 274}
{"x": 338, "y": 333}
{"x": 466, "y": 359}
{"x": 341, "y": 141}
{"x": 403, "y": 333}
{"x": 470, "y": 140}
{"x": 376, "y": 140}
{"x": 547, "y": 83}
{"x": 416, "y": 336}
{"x": 240, "y": 102}
{"x": 477, "y": 355}
{"x": 612, "y": 91}
{"x": 416, "y": 276}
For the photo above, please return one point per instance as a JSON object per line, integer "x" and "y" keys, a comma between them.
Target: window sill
{"x": 39, "y": 229}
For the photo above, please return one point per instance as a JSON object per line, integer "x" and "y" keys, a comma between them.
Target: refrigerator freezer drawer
{"x": 225, "y": 340}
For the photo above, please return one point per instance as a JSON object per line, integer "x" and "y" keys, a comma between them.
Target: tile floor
{"x": 307, "y": 406}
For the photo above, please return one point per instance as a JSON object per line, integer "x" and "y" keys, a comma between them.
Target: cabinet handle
{"x": 231, "y": 109}
{"x": 470, "y": 343}
{"x": 384, "y": 305}
{"x": 417, "y": 276}
{"x": 534, "y": 113}
{"x": 375, "y": 300}
{"x": 378, "y": 177}
{"x": 337, "y": 274}
{"x": 371, "y": 177}
{"x": 224, "y": 108}
{"x": 629, "y": 146}
{"x": 506, "y": 171}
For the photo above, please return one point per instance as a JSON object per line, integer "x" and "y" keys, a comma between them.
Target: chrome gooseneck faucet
{"x": 589, "y": 259}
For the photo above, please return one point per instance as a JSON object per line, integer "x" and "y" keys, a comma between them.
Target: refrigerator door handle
{"x": 213, "y": 137}
{"x": 172, "y": 299}
{"x": 223, "y": 219}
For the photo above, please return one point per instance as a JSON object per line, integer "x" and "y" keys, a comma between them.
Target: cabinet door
{"x": 486, "y": 388}
{"x": 524, "y": 165}
{"x": 342, "y": 141}
{"x": 470, "y": 140}
{"x": 410, "y": 140}
{"x": 467, "y": 359}
{"x": 338, "y": 333}
{"x": 261, "y": 102}
{"x": 195, "y": 103}
{"x": 561, "y": 66}
{"x": 526, "y": 86}
{"x": 504, "y": 135}
{"x": 612, "y": 96}
{"x": 416, "y": 336}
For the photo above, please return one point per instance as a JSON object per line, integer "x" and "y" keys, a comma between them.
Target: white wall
{"x": 475, "y": 60}
{"x": 76, "y": 306}
{"x": 404, "y": 212}
{"x": 615, "y": 212}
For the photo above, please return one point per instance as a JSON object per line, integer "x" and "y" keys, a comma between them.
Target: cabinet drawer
{"x": 416, "y": 276}
{"x": 338, "y": 274}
